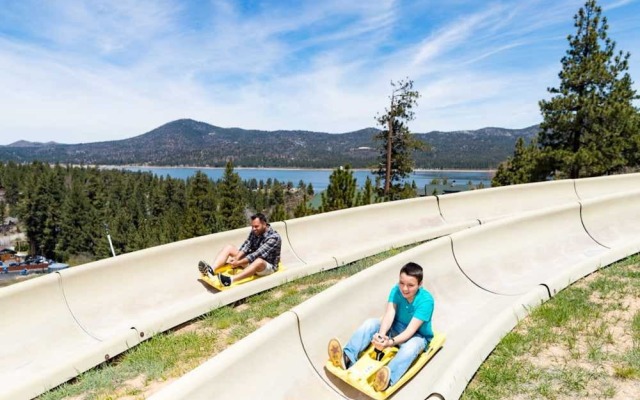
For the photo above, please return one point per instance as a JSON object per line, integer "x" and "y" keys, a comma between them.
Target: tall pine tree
{"x": 200, "y": 215}
{"x": 76, "y": 236}
{"x": 397, "y": 142}
{"x": 590, "y": 124}
{"x": 231, "y": 200}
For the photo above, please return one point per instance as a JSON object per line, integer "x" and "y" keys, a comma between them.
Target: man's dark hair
{"x": 260, "y": 216}
{"x": 413, "y": 269}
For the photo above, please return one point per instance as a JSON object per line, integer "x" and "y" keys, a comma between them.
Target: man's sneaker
{"x": 336, "y": 355}
{"x": 225, "y": 280}
{"x": 204, "y": 268}
{"x": 381, "y": 380}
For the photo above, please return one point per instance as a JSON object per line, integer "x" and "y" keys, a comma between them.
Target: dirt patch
{"x": 241, "y": 307}
{"x": 597, "y": 349}
{"x": 131, "y": 388}
{"x": 139, "y": 388}
{"x": 155, "y": 386}
{"x": 188, "y": 328}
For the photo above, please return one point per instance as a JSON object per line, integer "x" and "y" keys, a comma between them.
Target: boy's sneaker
{"x": 204, "y": 268}
{"x": 225, "y": 280}
{"x": 336, "y": 355}
{"x": 381, "y": 379}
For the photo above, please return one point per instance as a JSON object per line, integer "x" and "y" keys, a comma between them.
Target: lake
{"x": 319, "y": 178}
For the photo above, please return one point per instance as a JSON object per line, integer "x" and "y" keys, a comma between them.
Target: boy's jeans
{"x": 408, "y": 351}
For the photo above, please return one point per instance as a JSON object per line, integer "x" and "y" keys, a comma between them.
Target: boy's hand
{"x": 379, "y": 341}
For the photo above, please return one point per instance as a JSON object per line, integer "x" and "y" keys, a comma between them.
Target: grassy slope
{"x": 582, "y": 344}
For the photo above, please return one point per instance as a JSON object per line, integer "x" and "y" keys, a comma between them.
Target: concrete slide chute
{"x": 354, "y": 233}
{"x": 118, "y": 293}
{"x": 588, "y": 188}
{"x": 154, "y": 289}
{"x": 613, "y": 220}
{"x": 42, "y": 344}
{"x": 253, "y": 369}
{"x": 513, "y": 255}
{"x": 494, "y": 203}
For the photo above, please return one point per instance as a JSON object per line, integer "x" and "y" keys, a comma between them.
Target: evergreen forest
{"x": 67, "y": 211}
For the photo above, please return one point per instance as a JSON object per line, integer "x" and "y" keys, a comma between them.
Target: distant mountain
{"x": 24, "y": 143}
{"x": 189, "y": 142}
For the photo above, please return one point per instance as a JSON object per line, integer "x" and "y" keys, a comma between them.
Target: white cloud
{"x": 111, "y": 70}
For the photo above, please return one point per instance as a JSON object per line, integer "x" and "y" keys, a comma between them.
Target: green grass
{"x": 173, "y": 353}
{"x": 570, "y": 346}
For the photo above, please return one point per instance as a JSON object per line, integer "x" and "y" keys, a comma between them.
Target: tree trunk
{"x": 387, "y": 183}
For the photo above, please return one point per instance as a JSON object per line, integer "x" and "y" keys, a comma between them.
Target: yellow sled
{"x": 361, "y": 374}
{"x": 227, "y": 269}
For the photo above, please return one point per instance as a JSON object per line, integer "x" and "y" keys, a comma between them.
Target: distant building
{"x": 7, "y": 254}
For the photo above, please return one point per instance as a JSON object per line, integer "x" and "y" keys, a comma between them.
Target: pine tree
{"x": 526, "y": 165}
{"x": 341, "y": 192}
{"x": 35, "y": 208}
{"x": 397, "y": 142}
{"x": 199, "y": 218}
{"x": 141, "y": 236}
{"x": 590, "y": 124}
{"x": 231, "y": 203}
{"x": 53, "y": 187}
{"x": 367, "y": 192}
{"x": 277, "y": 194}
{"x": 11, "y": 183}
{"x": 169, "y": 205}
{"x": 303, "y": 209}
{"x": 3, "y": 211}
{"x": 278, "y": 214}
{"x": 76, "y": 237}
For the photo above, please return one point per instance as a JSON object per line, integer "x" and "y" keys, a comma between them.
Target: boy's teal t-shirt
{"x": 421, "y": 308}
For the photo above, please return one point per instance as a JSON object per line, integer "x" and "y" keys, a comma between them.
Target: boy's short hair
{"x": 413, "y": 269}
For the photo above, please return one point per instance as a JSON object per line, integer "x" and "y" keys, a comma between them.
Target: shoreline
{"x": 282, "y": 168}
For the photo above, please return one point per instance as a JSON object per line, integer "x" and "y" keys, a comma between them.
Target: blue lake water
{"x": 319, "y": 178}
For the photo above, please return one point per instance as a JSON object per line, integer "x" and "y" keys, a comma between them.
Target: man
{"x": 258, "y": 255}
{"x": 406, "y": 323}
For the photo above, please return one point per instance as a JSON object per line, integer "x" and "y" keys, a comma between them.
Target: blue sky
{"x": 85, "y": 71}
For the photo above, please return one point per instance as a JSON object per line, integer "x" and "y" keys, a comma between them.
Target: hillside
{"x": 189, "y": 142}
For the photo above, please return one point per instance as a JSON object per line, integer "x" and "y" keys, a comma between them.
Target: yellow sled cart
{"x": 230, "y": 271}
{"x": 361, "y": 374}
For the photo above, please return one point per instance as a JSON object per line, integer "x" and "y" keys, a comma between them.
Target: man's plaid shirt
{"x": 267, "y": 246}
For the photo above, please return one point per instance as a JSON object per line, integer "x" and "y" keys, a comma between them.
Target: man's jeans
{"x": 408, "y": 351}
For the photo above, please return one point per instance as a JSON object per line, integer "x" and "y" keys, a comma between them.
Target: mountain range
{"x": 194, "y": 143}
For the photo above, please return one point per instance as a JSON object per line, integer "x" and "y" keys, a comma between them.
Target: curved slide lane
{"x": 287, "y": 357}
